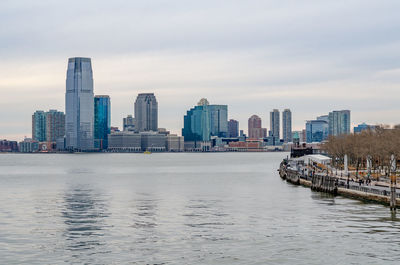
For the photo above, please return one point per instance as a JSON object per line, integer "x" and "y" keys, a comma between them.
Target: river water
{"x": 200, "y": 208}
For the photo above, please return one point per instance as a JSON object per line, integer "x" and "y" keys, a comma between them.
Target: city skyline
{"x": 339, "y": 56}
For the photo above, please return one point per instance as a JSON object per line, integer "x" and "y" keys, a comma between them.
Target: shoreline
{"x": 330, "y": 185}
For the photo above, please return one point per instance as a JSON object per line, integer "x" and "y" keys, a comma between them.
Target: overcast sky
{"x": 311, "y": 56}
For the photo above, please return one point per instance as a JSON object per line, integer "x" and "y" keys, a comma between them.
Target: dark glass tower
{"x": 102, "y": 121}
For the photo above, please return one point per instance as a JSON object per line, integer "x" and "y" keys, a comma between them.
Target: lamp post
{"x": 392, "y": 174}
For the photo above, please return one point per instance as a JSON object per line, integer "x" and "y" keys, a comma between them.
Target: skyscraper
{"x": 274, "y": 123}
{"x": 102, "y": 121}
{"x": 39, "y": 126}
{"x": 55, "y": 125}
{"x": 233, "y": 128}
{"x": 287, "y": 125}
{"x": 79, "y": 110}
{"x": 254, "y": 127}
{"x": 146, "y": 112}
{"x": 218, "y": 120}
{"x": 339, "y": 122}
{"x": 204, "y": 121}
{"x": 128, "y": 123}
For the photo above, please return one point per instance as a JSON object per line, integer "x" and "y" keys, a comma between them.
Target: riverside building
{"x": 48, "y": 126}
{"x": 233, "y": 128}
{"x": 274, "y": 123}
{"x": 128, "y": 123}
{"x": 146, "y": 113}
{"x": 339, "y": 122}
{"x": 287, "y": 125}
{"x": 102, "y": 121}
{"x": 79, "y": 110}
{"x": 255, "y": 131}
{"x": 39, "y": 126}
{"x": 316, "y": 131}
{"x": 203, "y": 121}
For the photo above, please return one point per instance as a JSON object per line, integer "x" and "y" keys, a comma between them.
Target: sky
{"x": 311, "y": 56}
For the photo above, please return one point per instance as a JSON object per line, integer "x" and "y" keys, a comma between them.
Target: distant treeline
{"x": 378, "y": 143}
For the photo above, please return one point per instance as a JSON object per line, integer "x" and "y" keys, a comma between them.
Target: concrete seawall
{"x": 329, "y": 184}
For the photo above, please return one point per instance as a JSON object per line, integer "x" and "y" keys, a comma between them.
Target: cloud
{"x": 311, "y": 56}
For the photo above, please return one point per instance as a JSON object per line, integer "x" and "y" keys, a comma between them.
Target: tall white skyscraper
{"x": 287, "y": 125}
{"x": 274, "y": 123}
{"x": 79, "y": 107}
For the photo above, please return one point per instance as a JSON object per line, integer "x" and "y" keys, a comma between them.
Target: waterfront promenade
{"x": 330, "y": 180}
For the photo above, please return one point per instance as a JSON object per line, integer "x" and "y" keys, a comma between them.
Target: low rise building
{"x": 8, "y": 146}
{"x": 175, "y": 143}
{"x": 153, "y": 141}
{"x": 250, "y": 145}
{"x": 124, "y": 142}
{"x": 29, "y": 146}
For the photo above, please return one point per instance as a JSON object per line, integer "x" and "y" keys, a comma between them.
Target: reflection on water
{"x": 84, "y": 215}
{"x": 145, "y": 213}
{"x": 229, "y": 208}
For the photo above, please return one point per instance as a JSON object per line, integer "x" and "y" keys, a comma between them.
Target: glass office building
{"x": 79, "y": 111}
{"x": 204, "y": 121}
{"x": 102, "y": 121}
{"x": 218, "y": 120}
{"x": 339, "y": 122}
{"x": 39, "y": 126}
{"x": 316, "y": 131}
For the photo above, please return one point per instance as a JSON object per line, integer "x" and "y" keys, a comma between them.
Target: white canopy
{"x": 320, "y": 159}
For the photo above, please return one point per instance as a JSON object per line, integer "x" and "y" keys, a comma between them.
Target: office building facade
{"x": 39, "y": 126}
{"x": 254, "y": 127}
{"x": 146, "y": 113}
{"x": 274, "y": 123}
{"x": 55, "y": 125}
{"x": 79, "y": 110}
{"x": 339, "y": 122}
{"x": 316, "y": 131}
{"x": 287, "y": 125}
{"x": 128, "y": 123}
{"x": 102, "y": 121}
{"x": 204, "y": 121}
{"x": 233, "y": 128}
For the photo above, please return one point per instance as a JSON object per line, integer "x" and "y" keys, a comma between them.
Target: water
{"x": 217, "y": 208}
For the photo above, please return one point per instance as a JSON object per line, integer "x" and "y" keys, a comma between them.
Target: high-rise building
{"x": 39, "y": 126}
{"x": 129, "y": 123}
{"x": 55, "y": 125}
{"x": 79, "y": 110}
{"x": 316, "y": 131}
{"x": 218, "y": 120}
{"x": 274, "y": 123}
{"x": 233, "y": 128}
{"x": 339, "y": 122}
{"x": 254, "y": 127}
{"x": 204, "y": 121}
{"x": 102, "y": 121}
{"x": 287, "y": 125}
{"x": 146, "y": 113}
